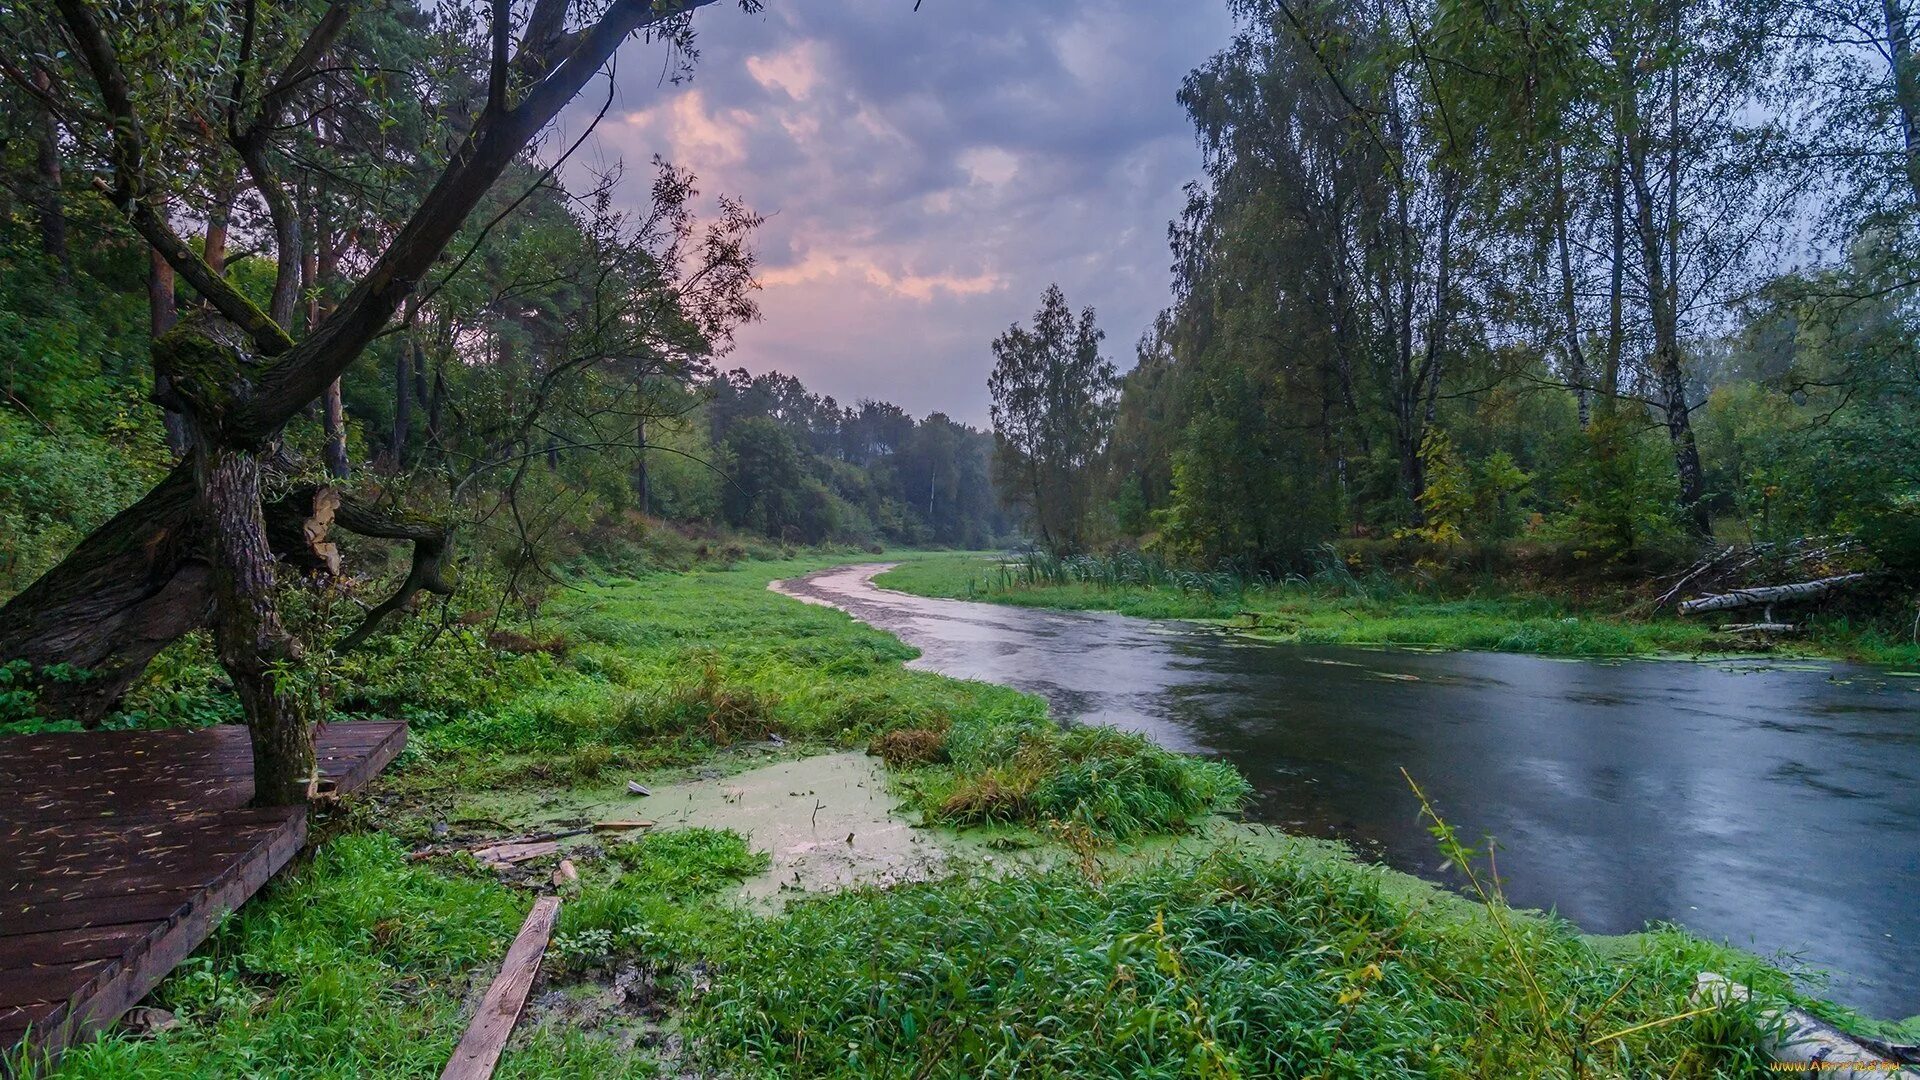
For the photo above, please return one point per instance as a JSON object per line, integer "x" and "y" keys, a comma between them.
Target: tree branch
{"x": 300, "y": 376}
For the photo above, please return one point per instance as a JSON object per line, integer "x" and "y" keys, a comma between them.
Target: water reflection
{"x": 1773, "y": 808}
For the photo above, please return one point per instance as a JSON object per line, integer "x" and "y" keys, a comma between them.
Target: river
{"x": 1773, "y": 806}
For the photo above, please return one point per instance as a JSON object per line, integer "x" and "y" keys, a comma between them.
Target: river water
{"x": 1772, "y": 806}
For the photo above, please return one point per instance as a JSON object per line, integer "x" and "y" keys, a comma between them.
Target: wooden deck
{"x": 119, "y": 850}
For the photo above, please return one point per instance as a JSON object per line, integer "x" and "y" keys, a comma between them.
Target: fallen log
{"x": 1771, "y": 594}
{"x": 1687, "y": 578}
{"x": 1798, "y": 1038}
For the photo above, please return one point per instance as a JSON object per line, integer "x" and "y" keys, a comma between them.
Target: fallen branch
{"x": 479, "y": 1049}
{"x": 1687, "y": 578}
{"x": 476, "y": 847}
{"x": 1771, "y": 594}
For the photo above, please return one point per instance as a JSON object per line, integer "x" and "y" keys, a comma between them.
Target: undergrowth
{"x": 354, "y": 965}
{"x": 667, "y": 668}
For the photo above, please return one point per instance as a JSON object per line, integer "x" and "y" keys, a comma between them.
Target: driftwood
{"x": 1771, "y": 594}
{"x": 1800, "y": 1038}
{"x": 485, "y": 850}
{"x": 501, "y": 856}
{"x": 479, "y": 848}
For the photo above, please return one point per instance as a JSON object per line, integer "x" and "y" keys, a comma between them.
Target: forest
{"x": 1578, "y": 286}
{"x": 403, "y": 656}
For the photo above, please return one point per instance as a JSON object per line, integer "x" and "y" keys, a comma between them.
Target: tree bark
{"x": 1617, "y": 238}
{"x": 128, "y": 590}
{"x": 1659, "y": 251}
{"x": 219, "y": 217}
{"x": 1906, "y": 86}
{"x": 46, "y": 189}
{"x": 1771, "y": 594}
{"x": 327, "y": 271}
{"x": 254, "y": 648}
{"x": 1569, "y": 305}
{"x": 162, "y": 313}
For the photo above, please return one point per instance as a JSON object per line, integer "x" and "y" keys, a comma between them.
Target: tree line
{"x": 1617, "y": 277}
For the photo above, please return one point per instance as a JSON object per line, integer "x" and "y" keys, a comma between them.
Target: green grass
{"x": 1235, "y": 963}
{"x": 354, "y": 965}
{"x": 1340, "y": 609}
{"x": 1281, "y": 960}
{"x": 670, "y": 667}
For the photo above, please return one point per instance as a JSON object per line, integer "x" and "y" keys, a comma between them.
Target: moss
{"x": 204, "y": 358}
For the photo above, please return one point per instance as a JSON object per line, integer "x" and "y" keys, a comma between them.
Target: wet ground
{"x": 1773, "y": 806}
{"x": 827, "y": 821}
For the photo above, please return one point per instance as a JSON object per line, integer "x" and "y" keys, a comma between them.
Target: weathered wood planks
{"x": 479, "y": 1049}
{"x": 120, "y": 850}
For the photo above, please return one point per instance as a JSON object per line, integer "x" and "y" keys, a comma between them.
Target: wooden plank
{"x": 479, "y": 1049}
{"x": 51, "y": 982}
{"x": 73, "y": 862}
{"x": 90, "y": 943}
{"x": 96, "y": 1005}
{"x": 508, "y": 854}
{"x": 378, "y": 755}
{"x": 119, "y": 850}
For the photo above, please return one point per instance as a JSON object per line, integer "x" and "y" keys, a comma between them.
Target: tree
{"x": 197, "y": 547}
{"x": 1052, "y": 410}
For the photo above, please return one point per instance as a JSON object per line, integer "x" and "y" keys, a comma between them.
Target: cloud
{"x": 926, "y": 175}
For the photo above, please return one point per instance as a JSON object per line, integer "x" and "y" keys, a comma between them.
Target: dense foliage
{"x": 1462, "y": 276}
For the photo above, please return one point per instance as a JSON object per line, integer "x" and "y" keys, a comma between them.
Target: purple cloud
{"x": 925, "y": 175}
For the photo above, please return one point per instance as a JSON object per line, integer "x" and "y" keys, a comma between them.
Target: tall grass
{"x": 354, "y": 965}
{"x": 1126, "y": 569}
{"x": 1331, "y": 605}
{"x": 1228, "y": 964}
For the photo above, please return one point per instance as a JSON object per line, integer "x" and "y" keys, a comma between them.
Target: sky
{"x": 926, "y": 174}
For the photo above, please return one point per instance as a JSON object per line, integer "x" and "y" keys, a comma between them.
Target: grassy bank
{"x": 1226, "y": 957}
{"x": 1342, "y": 609}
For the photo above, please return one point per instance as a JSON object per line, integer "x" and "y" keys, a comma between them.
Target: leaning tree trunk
{"x": 128, "y": 590}
{"x": 206, "y": 363}
{"x": 254, "y": 647}
{"x": 140, "y": 581}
